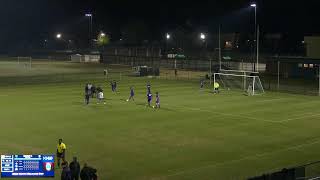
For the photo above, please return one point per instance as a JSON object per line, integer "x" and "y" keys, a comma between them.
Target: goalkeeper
{"x": 216, "y": 86}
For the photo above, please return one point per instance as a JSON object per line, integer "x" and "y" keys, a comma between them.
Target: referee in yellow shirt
{"x": 61, "y": 151}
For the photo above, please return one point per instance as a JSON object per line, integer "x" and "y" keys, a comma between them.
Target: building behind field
{"x": 86, "y": 58}
{"x": 312, "y": 46}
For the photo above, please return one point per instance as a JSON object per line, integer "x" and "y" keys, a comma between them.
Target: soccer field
{"x": 196, "y": 135}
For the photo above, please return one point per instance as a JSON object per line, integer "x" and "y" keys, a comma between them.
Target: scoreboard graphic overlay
{"x": 27, "y": 166}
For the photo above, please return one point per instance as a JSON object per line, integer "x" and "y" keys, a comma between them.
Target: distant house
{"x": 312, "y": 44}
{"x": 295, "y": 67}
{"x": 306, "y": 67}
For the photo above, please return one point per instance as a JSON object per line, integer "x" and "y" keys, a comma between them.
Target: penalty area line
{"x": 300, "y": 117}
{"x": 213, "y": 165}
{"x": 226, "y": 114}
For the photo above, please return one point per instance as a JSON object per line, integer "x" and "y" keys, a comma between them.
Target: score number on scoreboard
{"x": 27, "y": 166}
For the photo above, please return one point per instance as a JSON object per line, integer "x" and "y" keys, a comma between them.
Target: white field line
{"x": 314, "y": 178}
{"x": 213, "y": 165}
{"x": 300, "y": 117}
{"x": 271, "y": 108}
{"x": 272, "y": 100}
{"x": 224, "y": 114}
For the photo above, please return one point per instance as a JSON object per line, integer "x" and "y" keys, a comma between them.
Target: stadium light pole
{"x": 168, "y": 36}
{"x": 254, "y": 5}
{"x": 319, "y": 79}
{"x": 45, "y": 43}
{"x": 203, "y": 38}
{"x": 59, "y": 36}
{"x": 220, "y": 48}
{"x": 90, "y": 16}
{"x": 102, "y": 34}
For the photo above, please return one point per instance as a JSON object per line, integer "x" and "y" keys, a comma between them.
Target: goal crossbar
{"x": 238, "y": 75}
{"x": 250, "y": 87}
{"x": 239, "y": 71}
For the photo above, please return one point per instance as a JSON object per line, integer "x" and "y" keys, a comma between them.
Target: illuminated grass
{"x": 195, "y": 135}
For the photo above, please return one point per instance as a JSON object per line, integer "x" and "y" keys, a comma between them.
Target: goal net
{"x": 25, "y": 62}
{"x": 249, "y": 84}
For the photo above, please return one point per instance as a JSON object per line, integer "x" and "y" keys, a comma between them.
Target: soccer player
{"x": 100, "y": 97}
{"x": 148, "y": 87}
{"x": 131, "y": 94}
{"x": 93, "y": 90}
{"x": 61, "y": 151}
{"x": 112, "y": 86}
{"x": 157, "y": 100}
{"x": 149, "y": 98}
{"x": 75, "y": 169}
{"x": 216, "y": 86}
{"x": 99, "y": 89}
{"x": 105, "y": 72}
{"x": 250, "y": 90}
{"x": 66, "y": 173}
{"x": 87, "y": 94}
{"x": 201, "y": 84}
{"x": 88, "y": 173}
{"x": 90, "y": 88}
{"x": 115, "y": 85}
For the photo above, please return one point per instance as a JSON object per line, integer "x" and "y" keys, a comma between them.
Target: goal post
{"x": 239, "y": 82}
{"x": 25, "y": 61}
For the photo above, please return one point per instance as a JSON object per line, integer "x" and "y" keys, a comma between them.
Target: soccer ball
{"x": 127, "y": 100}
{"x": 153, "y": 107}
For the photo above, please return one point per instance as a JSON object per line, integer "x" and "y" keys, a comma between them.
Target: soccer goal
{"x": 26, "y": 62}
{"x": 250, "y": 84}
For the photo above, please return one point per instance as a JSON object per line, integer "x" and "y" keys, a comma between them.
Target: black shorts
{"x": 60, "y": 155}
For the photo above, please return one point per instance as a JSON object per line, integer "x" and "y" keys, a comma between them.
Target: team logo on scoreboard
{"x": 48, "y": 166}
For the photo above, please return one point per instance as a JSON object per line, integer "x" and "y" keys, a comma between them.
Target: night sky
{"x": 33, "y": 20}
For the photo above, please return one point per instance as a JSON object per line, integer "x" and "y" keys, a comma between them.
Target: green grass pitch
{"x": 195, "y": 135}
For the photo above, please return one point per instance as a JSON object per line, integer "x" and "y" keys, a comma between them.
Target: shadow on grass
{"x": 166, "y": 109}
{"x": 82, "y": 103}
{"x": 146, "y": 106}
{"x": 141, "y": 104}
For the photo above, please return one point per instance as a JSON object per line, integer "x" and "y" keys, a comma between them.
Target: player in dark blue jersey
{"x": 115, "y": 86}
{"x": 149, "y": 98}
{"x": 87, "y": 93}
{"x": 112, "y": 86}
{"x": 93, "y": 90}
{"x": 148, "y": 87}
{"x": 157, "y": 100}
{"x": 131, "y": 94}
